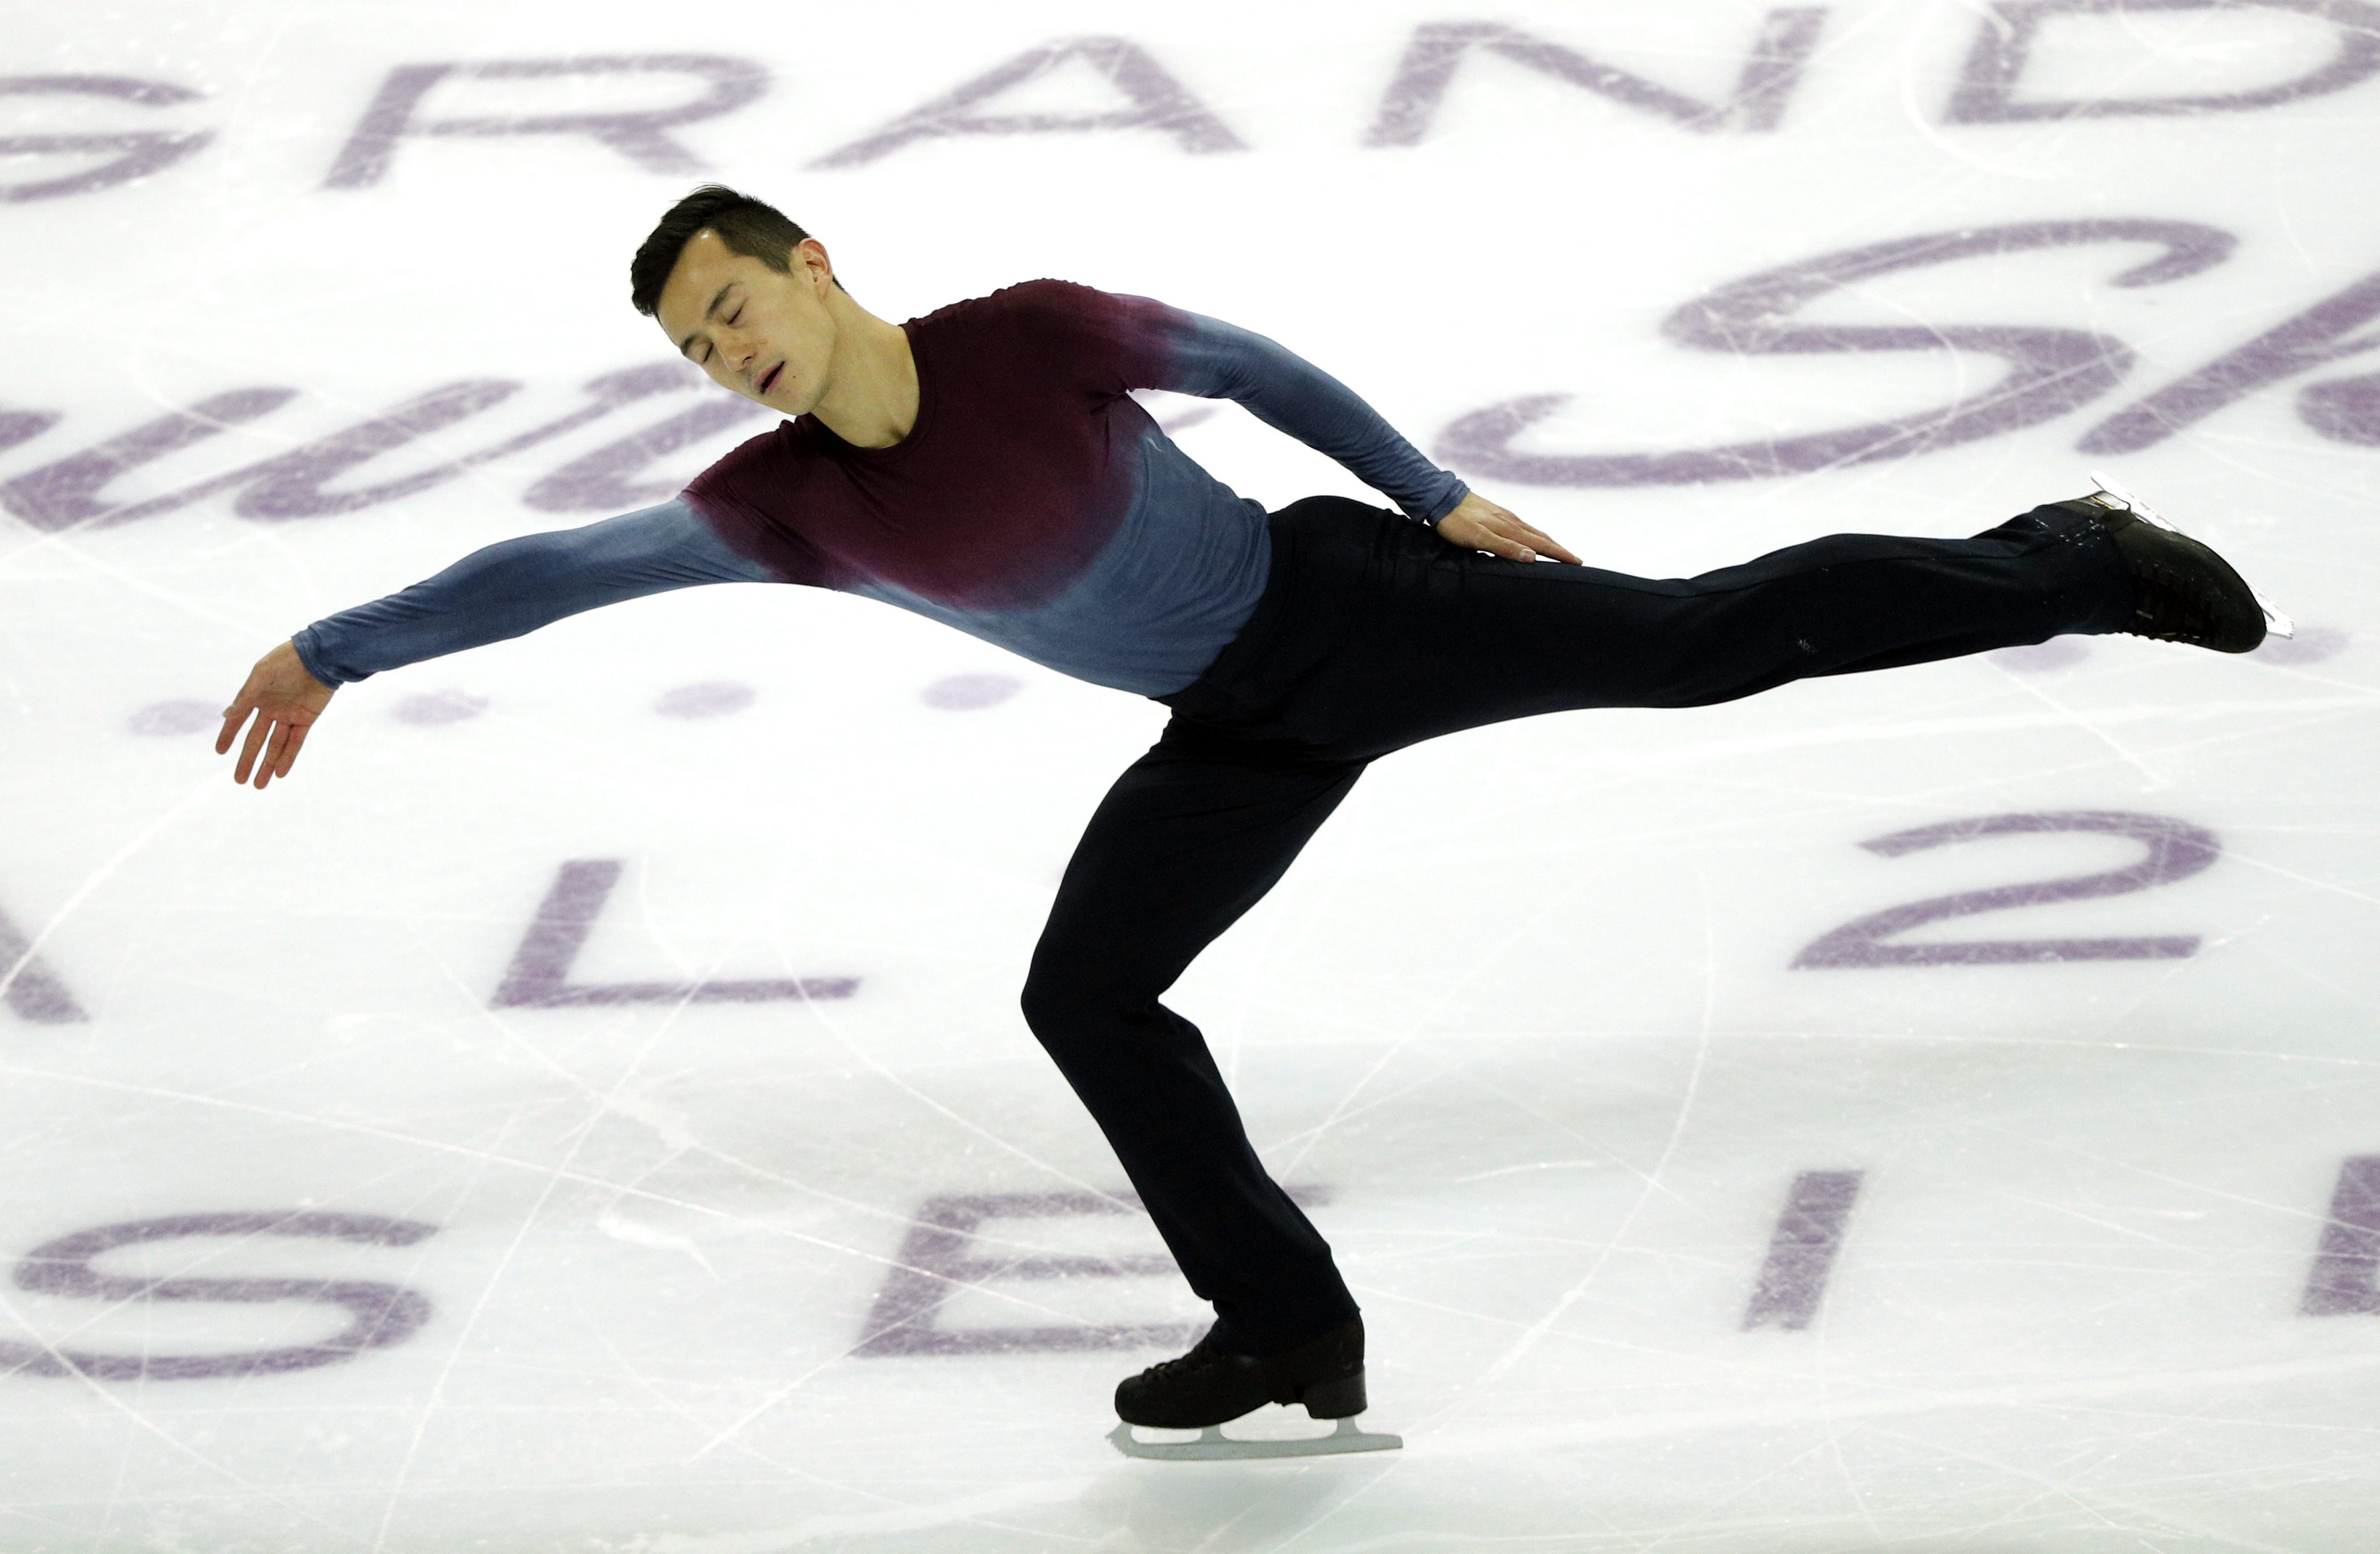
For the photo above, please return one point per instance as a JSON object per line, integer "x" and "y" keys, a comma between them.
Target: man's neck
{"x": 871, "y": 399}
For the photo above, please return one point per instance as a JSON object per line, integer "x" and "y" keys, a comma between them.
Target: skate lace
{"x": 1180, "y": 1364}
{"x": 1200, "y": 1357}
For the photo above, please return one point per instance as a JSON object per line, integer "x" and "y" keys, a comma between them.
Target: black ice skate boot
{"x": 2182, "y": 591}
{"x": 1208, "y": 1386}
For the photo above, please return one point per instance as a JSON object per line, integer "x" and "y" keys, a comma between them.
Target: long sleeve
{"x": 1219, "y": 360}
{"x": 516, "y": 587}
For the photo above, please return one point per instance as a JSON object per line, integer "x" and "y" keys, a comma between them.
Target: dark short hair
{"x": 751, "y": 227}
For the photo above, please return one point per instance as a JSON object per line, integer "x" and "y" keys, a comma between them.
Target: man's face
{"x": 767, "y": 335}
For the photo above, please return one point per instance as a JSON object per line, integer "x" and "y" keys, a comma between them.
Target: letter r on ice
{"x": 638, "y": 135}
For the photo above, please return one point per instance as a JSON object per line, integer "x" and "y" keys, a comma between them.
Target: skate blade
{"x": 2275, "y": 623}
{"x": 1214, "y": 1446}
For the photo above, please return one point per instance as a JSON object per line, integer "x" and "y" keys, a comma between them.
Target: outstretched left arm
{"x": 1219, "y": 360}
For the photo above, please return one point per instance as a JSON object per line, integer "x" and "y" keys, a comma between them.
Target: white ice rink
{"x": 617, "y": 1027}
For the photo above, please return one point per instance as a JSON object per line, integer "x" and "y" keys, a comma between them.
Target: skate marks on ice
{"x": 943, "y": 1253}
{"x": 1808, "y": 1238}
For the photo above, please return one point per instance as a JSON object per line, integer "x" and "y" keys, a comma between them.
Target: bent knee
{"x": 1067, "y": 1006}
{"x": 1059, "y": 1003}
{"x": 1045, "y": 1004}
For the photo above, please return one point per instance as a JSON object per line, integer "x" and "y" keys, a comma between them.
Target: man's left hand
{"x": 1477, "y": 523}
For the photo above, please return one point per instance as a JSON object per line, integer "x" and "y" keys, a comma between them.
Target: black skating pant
{"x": 1372, "y": 634}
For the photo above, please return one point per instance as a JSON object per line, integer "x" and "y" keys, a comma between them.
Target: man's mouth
{"x": 769, "y": 380}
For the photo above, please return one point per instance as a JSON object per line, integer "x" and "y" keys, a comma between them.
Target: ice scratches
{"x": 619, "y": 1228}
{"x": 1888, "y": 1038}
{"x": 28, "y": 985}
{"x": 1533, "y": 1166}
{"x": 556, "y": 1176}
{"x": 670, "y": 1128}
{"x": 605, "y": 1103}
{"x": 1537, "y": 1330}
{"x": 204, "y": 791}
{"x": 2331, "y": 887}
{"x": 868, "y": 1059}
{"x": 990, "y": 1502}
{"x": 2094, "y": 1503}
{"x": 1451, "y": 987}
{"x": 673, "y": 1130}
{"x": 559, "y": 1174}
{"x": 124, "y": 1402}
{"x": 1884, "y": 1402}
{"x": 2152, "y": 779}
{"x": 1671, "y": 757}
{"x": 792, "y": 1470}
{"x": 1579, "y": 775}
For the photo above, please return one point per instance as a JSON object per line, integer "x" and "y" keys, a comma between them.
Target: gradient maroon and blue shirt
{"x": 1032, "y": 503}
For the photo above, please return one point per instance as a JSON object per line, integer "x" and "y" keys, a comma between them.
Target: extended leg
{"x": 1840, "y": 605}
{"x": 1393, "y": 636}
{"x": 1190, "y": 837}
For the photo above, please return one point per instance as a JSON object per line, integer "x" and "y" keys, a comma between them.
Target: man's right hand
{"x": 287, "y": 701}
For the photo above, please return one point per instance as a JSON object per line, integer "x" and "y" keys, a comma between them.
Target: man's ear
{"x": 810, "y": 255}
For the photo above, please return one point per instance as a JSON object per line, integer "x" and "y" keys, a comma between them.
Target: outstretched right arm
{"x": 504, "y": 590}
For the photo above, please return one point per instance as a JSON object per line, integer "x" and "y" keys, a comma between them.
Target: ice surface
{"x": 612, "y": 1032}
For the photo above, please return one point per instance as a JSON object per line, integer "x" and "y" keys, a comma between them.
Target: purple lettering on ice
{"x": 1156, "y": 101}
{"x": 23, "y": 426}
{"x": 70, "y": 491}
{"x": 2345, "y": 1277}
{"x": 2308, "y": 341}
{"x": 29, "y": 988}
{"x": 290, "y": 485}
{"x": 1802, "y": 1252}
{"x": 67, "y": 492}
{"x": 138, "y": 153}
{"x": 604, "y": 479}
{"x": 707, "y": 698}
{"x": 539, "y": 974}
{"x": 2007, "y": 32}
{"x": 2173, "y": 850}
{"x": 945, "y": 1252}
{"x": 2050, "y": 373}
{"x": 1787, "y": 36}
{"x": 2344, "y": 409}
{"x": 378, "y": 1314}
{"x": 639, "y": 134}
{"x": 286, "y": 486}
